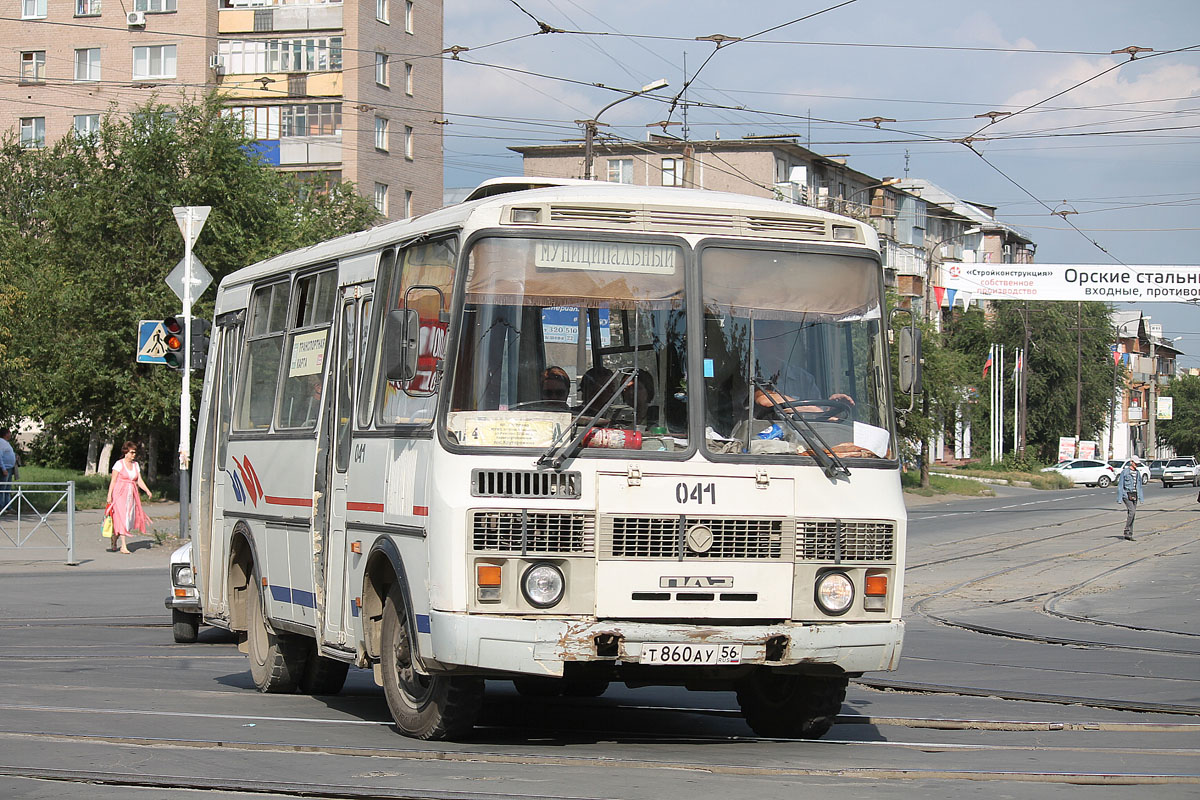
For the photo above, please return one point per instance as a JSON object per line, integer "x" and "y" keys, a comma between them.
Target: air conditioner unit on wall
{"x": 136, "y": 19}
{"x": 217, "y": 62}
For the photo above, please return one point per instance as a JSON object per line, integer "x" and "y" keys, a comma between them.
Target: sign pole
{"x": 190, "y": 219}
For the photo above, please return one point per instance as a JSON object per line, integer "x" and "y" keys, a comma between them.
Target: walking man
{"x": 1129, "y": 492}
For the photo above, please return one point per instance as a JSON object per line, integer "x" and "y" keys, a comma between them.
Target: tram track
{"x": 521, "y": 760}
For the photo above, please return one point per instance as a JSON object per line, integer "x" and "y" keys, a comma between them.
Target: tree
{"x": 1182, "y": 431}
{"x": 87, "y": 236}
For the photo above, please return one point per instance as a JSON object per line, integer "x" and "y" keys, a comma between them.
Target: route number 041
{"x": 695, "y": 492}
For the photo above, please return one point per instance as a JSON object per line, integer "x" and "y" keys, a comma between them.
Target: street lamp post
{"x": 590, "y": 125}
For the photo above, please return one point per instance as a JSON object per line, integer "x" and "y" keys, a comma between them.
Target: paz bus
{"x": 563, "y": 434}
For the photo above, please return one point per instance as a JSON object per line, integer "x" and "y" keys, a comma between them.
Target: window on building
{"x": 672, "y": 172}
{"x": 256, "y": 56}
{"x": 381, "y": 69}
{"x": 87, "y": 124}
{"x": 381, "y": 10}
{"x": 408, "y": 142}
{"x": 33, "y": 9}
{"x": 311, "y": 119}
{"x": 156, "y": 61}
{"x": 620, "y": 170}
{"x": 381, "y": 198}
{"x": 407, "y": 204}
{"x": 33, "y": 131}
{"x": 408, "y": 79}
{"x": 33, "y": 66}
{"x": 408, "y": 16}
{"x": 87, "y": 64}
{"x": 381, "y": 134}
{"x": 87, "y": 8}
{"x": 154, "y": 6}
{"x": 781, "y": 170}
{"x": 259, "y": 122}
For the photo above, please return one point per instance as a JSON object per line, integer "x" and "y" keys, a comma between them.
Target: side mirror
{"x": 401, "y": 343}
{"x": 910, "y": 360}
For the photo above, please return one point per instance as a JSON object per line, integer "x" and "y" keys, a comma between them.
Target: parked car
{"x": 1086, "y": 471}
{"x": 184, "y": 599}
{"x": 1181, "y": 470}
{"x": 1142, "y": 470}
{"x": 1156, "y": 468}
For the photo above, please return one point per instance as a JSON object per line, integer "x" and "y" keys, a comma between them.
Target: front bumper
{"x": 542, "y": 646}
{"x": 188, "y": 601}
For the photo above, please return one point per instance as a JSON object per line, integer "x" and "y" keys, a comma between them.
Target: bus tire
{"x": 276, "y": 659}
{"x": 429, "y": 707}
{"x": 537, "y": 686}
{"x": 185, "y": 626}
{"x": 791, "y": 706}
{"x": 323, "y": 675}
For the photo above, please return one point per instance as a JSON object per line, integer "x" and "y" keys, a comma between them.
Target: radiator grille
{"x": 524, "y": 483}
{"x": 750, "y": 538}
{"x": 845, "y": 540}
{"x": 519, "y": 531}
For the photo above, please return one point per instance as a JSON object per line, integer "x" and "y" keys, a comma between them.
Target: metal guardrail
{"x": 21, "y": 520}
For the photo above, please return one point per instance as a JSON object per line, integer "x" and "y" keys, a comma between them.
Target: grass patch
{"x": 91, "y": 491}
{"x": 940, "y": 484}
{"x": 1038, "y": 480}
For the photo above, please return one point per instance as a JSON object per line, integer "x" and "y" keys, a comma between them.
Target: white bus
{"x": 561, "y": 436}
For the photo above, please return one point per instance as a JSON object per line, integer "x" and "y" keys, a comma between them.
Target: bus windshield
{"x": 561, "y": 331}
{"x": 794, "y": 356}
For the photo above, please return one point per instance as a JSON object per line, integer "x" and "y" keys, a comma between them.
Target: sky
{"x": 1099, "y": 160}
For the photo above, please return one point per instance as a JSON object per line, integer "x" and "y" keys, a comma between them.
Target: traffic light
{"x": 199, "y": 347}
{"x": 174, "y": 332}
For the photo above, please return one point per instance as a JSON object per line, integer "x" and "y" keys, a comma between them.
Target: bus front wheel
{"x": 791, "y": 706}
{"x": 277, "y": 660}
{"x": 427, "y": 707}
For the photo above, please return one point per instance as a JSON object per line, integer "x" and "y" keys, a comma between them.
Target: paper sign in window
{"x": 308, "y": 353}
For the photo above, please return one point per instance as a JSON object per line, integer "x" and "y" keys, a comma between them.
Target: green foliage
{"x": 1182, "y": 431}
{"x": 87, "y": 236}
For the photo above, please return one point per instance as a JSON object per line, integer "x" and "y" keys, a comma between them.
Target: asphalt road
{"x": 1046, "y": 657}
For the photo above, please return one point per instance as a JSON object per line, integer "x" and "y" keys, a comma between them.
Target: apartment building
{"x": 345, "y": 90}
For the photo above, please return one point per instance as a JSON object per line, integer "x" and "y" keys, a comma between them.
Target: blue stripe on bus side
{"x": 422, "y": 623}
{"x": 299, "y": 597}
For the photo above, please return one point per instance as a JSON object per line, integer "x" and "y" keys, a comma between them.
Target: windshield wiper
{"x": 558, "y": 452}
{"x": 822, "y": 452}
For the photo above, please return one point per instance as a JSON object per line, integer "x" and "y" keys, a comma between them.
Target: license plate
{"x": 700, "y": 654}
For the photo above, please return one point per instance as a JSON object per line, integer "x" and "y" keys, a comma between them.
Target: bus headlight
{"x": 835, "y": 593}
{"x": 543, "y": 585}
{"x": 184, "y": 575}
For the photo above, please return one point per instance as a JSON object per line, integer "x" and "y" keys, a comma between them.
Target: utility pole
{"x": 1022, "y": 401}
{"x": 1152, "y": 406}
{"x": 590, "y": 126}
{"x": 1078, "y": 369}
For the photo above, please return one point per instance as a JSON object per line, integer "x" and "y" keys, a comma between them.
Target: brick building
{"x": 344, "y": 89}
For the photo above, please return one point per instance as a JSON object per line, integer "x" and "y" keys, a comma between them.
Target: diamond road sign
{"x": 201, "y": 279}
{"x": 152, "y": 342}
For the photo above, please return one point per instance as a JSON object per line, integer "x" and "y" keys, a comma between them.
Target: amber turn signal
{"x": 876, "y": 586}
{"x": 487, "y": 574}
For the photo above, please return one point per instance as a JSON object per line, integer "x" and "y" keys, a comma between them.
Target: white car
{"x": 1143, "y": 471}
{"x": 184, "y": 599}
{"x": 1182, "y": 469}
{"x": 1086, "y": 471}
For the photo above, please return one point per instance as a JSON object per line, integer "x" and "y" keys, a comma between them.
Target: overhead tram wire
{"x": 720, "y": 42}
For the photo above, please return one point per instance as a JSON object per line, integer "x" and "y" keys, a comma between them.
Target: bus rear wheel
{"x": 322, "y": 675}
{"x": 429, "y": 707}
{"x": 791, "y": 706}
{"x": 277, "y": 660}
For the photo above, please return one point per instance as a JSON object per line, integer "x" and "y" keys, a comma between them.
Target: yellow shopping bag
{"x": 107, "y": 530}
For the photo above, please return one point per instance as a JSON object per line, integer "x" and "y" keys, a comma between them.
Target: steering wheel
{"x": 541, "y": 405}
{"x": 827, "y": 410}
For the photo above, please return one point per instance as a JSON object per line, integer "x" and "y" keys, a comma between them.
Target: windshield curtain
{"x": 551, "y": 328}
{"x": 793, "y": 345}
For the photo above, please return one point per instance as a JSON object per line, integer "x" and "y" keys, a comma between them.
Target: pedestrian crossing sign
{"x": 152, "y": 342}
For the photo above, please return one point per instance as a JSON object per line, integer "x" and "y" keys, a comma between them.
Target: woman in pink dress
{"x": 124, "y": 502}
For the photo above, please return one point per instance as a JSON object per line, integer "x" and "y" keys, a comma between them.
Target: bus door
{"x": 344, "y": 369}
{"x": 209, "y": 552}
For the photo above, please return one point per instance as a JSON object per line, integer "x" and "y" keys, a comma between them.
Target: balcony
{"x": 293, "y": 151}
{"x": 254, "y": 16}
{"x": 282, "y": 84}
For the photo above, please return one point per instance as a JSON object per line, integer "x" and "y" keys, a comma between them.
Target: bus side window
{"x": 264, "y": 347}
{"x": 227, "y": 361}
{"x": 345, "y": 384}
{"x": 308, "y": 341}
{"x": 371, "y": 343}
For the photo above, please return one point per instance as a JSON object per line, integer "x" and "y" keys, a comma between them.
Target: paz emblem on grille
{"x": 699, "y": 538}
